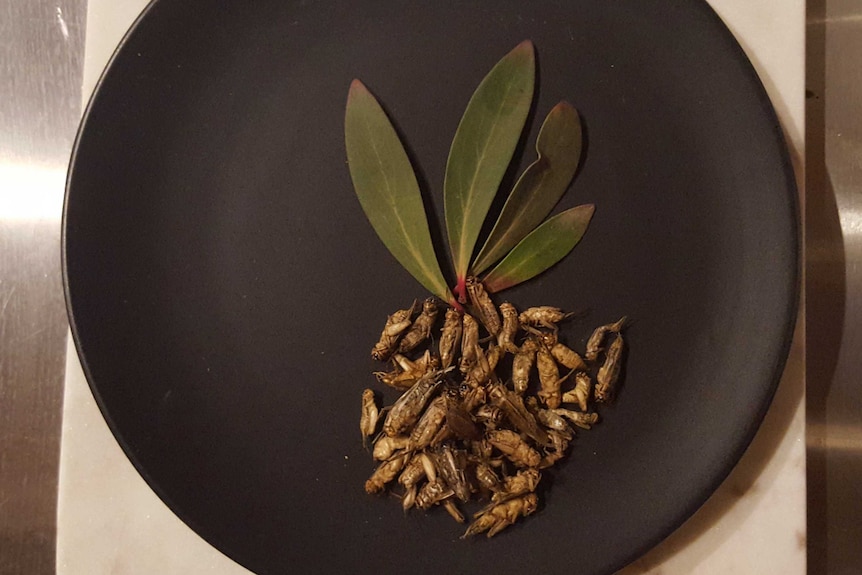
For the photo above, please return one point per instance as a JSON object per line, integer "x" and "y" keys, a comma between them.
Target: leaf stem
{"x": 460, "y": 289}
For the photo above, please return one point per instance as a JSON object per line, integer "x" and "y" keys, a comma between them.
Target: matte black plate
{"x": 225, "y": 288}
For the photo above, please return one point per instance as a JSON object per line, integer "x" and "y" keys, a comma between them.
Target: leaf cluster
{"x": 522, "y": 242}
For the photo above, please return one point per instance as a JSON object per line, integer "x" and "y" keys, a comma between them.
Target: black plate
{"x": 225, "y": 288}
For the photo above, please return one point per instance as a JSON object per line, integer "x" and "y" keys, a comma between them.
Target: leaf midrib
{"x": 466, "y": 208}
{"x": 391, "y": 199}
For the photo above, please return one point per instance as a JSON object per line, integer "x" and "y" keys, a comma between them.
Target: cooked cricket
{"x": 396, "y": 325}
{"x": 579, "y": 418}
{"x": 502, "y": 515}
{"x": 509, "y": 329}
{"x": 514, "y": 448}
{"x": 452, "y": 510}
{"x": 597, "y": 340}
{"x": 413, "y": 473}
{"x": 385, "y": 472}
{"x": 407, "y": 409}
{"x": 385, "y": 446}
{"x": 553, "y": 421}
{"x": 461, "y": 423}
{"x": 549, "y": 377}
{"x": 543, "y": 316}
{"x": 512, "y": 405}
{"x": 429, "y": 424}
{"x": 469, "y": 343}
{"x": 450, "y": 465}
{"x": 567, "y": 357}
{"x": 450, "y": 337}
{"x": 490, "y": 415}
{"x": 487, "y": 477}
{"x": 370, "y": 415}
{"x": 484, "y": 307}
{"x": 433, "y": 493}
{"x": 413, "y": 370}
{"x": 560, "y": 443}
{"x": 609, "y": 373}
{"x": 421, "y": 328}
{"x": 523, "y": 482}
{"x": 522, "y": 364}
{"x": 581, "y": 393}
{"x": 484, "y": 366}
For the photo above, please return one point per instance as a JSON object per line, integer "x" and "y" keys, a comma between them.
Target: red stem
{"x": 460, "y": 289}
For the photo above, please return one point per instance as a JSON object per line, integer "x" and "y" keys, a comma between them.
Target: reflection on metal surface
{"x": 834, "y": 319}
{"x": 834, "y": 437}
{"x": 40, "y": 202}
{"x": 40, "y": 81}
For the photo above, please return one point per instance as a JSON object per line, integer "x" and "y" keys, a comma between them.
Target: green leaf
{"x": 386, "y": 186}
{"x": 483, "y": 147}
{"x": 539, "y": 188}
{"x": 542, "y": 248}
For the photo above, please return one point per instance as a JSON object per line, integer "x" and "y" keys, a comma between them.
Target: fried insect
{"x": 553, "y": 421}
{"x": 543, "y": 316}
{"x": 407, "y": 408}
{"x": 385, "y": 472}
{"x": 421, "y": 328}
{"x": 429, "y": 424}
{"x": 512, "y": 405}
{"x": 407, "y": 372}
{"x": 522, "y": 364}
{"x": 474, "y": 397}
{"x": 460, "y": 423}
{"x": 396, "y": 325}
{"x": 400, "y": 380}
{"x": 490, "y": 415}
{"x": 514, "y": 448}
{"x": 482, "y": 450}
{"x": 483, "y": 306}
{"x": 453, "y": 510}
{"x": 433, "y": 493}
{"x": 579, "y": 418}
{"x": 581, "y": 393}
{"x": 502, "y": 515}
{"x": 469, "y": 343}
{"x": 368, "y": 418}
{"x": 413, "y": 473}
{"x": 509, "y": 329}
{"x": 567, "y": 357}
{"x": 609, "y": 373}
{"x": 560, "y": 443}
{"x": 487, "y": 477}
{"x": 450, "y": 465}
{"x": 450, "y": 337}
{"x": 549, "y": 378}
{"x": 523, "y": 482}
{"x": 385, "y": 446}
{"x": 597, "y": 339}
{"x": 483, "y": 369}
{"x": 428, "y": 362}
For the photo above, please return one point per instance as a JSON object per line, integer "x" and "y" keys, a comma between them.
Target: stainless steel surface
{"x": 41, "y": 55}
{"x": 834, "y": 282}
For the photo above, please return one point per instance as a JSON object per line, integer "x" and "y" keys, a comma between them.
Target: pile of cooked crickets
{"x": 470, "y": 422}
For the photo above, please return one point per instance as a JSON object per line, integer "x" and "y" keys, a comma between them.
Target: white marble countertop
{"x": 109, "y": 521}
